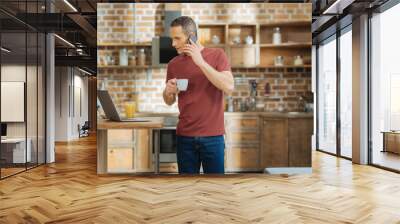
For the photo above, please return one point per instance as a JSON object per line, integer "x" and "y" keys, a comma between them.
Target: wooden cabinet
{"x": 286, "y": 142}
{"x": 129, "y": 151}
{"x": 300, "y": 131}
{"x": 242, "y": 143}
{"x": 391, "y": 142}
{"x": 274, "y": 152}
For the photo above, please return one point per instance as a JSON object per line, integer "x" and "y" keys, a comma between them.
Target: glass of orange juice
{"x": 130, "y": 109}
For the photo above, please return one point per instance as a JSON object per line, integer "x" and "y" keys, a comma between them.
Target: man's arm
{"x": 222, "y": 80}
{"x": 170, "y": 91}
{"x": 169, "y": 99}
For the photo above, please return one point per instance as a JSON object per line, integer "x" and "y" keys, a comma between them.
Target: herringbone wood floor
{"x": 69, "y": 191}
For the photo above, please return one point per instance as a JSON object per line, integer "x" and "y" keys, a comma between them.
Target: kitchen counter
{"x": 272, "y": 114}
{"x": 131, "y": 141}
{"x": 238, "y": 113}
{"x": 254, "y": 141}
{"x": 154, "y": 122}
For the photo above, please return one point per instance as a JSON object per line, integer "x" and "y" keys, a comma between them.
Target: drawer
{"x": 242, "y": 158}
{"x": 120, "y": 138}
{"x": 238, "y": 137}
{"x": 242, "y": 123}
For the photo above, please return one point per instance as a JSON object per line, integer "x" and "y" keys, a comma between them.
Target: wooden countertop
{"x": 243, "y": 114}
{"x": 272, "y": 114}
{"x": 154, "y": 122}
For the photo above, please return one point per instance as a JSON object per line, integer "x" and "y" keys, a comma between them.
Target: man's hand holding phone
{"x": 194, "y": 51}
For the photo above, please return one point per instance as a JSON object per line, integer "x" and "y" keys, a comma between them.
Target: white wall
{"x": 70, "y": 83}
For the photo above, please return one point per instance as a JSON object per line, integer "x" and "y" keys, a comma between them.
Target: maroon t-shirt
{"x": 201, "y": 109}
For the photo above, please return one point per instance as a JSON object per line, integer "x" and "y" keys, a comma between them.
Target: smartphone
{"x": 193, "y": 38}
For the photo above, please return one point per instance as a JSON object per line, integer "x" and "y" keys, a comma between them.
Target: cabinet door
{"x": 242, "y": 144}
{"x": 300, "y": 132}
{"x": 242, "y": 158}
{"x": 274, "y": 152}
{"x": 143, "y": 152}
{"x": 120, "y": 151}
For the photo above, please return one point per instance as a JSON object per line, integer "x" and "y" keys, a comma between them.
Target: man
{"x": 200, "y": 128}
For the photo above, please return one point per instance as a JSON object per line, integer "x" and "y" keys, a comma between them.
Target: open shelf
{"x": 289, "y": 33}
{"x": 124, "y": 45}
{"x": 267, "y": 55}
{"x": 124, "y": 67}
{"x": 207, "y": 31}
{"x": 295, "y": 38}
{"x": 288, "y": 23}
{"x": 287, "y": 45}
{"x": 215, "y": 45}
{"x": 242, "y": 31}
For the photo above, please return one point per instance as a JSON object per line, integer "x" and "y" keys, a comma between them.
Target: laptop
{"x": 111, "y": 111}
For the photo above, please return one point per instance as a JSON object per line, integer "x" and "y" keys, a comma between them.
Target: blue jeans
{"x": 195, "y": 151}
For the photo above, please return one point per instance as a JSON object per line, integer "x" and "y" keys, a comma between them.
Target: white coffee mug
{"x": 182, "y": 84}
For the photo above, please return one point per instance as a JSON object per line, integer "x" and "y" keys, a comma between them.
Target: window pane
{"x": 14, "y": 150}
{"x": 327, "y": 96}
{"x": 345, "y": 94}
{"x": 385, "y": 89}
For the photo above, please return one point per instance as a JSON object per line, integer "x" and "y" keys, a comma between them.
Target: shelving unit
{"x": 147, "y": 44}
{"x": 295, "y": 40}
{"x": 113, "y": 50}
{"x": 261, "y": 53}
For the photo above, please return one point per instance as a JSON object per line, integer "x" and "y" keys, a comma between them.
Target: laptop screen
{"x": 108, "y": 105}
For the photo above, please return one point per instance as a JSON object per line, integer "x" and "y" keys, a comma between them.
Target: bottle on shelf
{"x": 276, "y": 36}
{"x": 141, "y": 57}
{"x": 298, "y": 60}
{"x": 230, "y": 104}
{"x": 132, "y": 58}
{"x": 123, "y": 57}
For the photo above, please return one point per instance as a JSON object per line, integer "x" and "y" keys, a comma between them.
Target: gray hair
{"x": 187, "y": 23}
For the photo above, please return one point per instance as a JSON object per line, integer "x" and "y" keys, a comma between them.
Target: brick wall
{"x": 138, "y": 23}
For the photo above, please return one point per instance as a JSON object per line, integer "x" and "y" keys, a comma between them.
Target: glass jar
{"x": 276, "y": 36}
{"x": 278, "y": 61}
{"x": 141, "y": 57}
{"x": 123, "y": 57}
{"x": 298, "y": 60}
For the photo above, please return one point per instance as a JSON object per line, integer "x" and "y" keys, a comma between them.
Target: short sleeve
{"x": 222, "y": 62}
{"x": 170, "y": 74}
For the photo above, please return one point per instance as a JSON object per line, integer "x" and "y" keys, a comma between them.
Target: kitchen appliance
{"x": 164, "y": 141}
{"x": 252, "y": 100}
{"x": 3, "y": 130}
{"x": 161, "y": 48}
{"x": 162, "y": 51}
